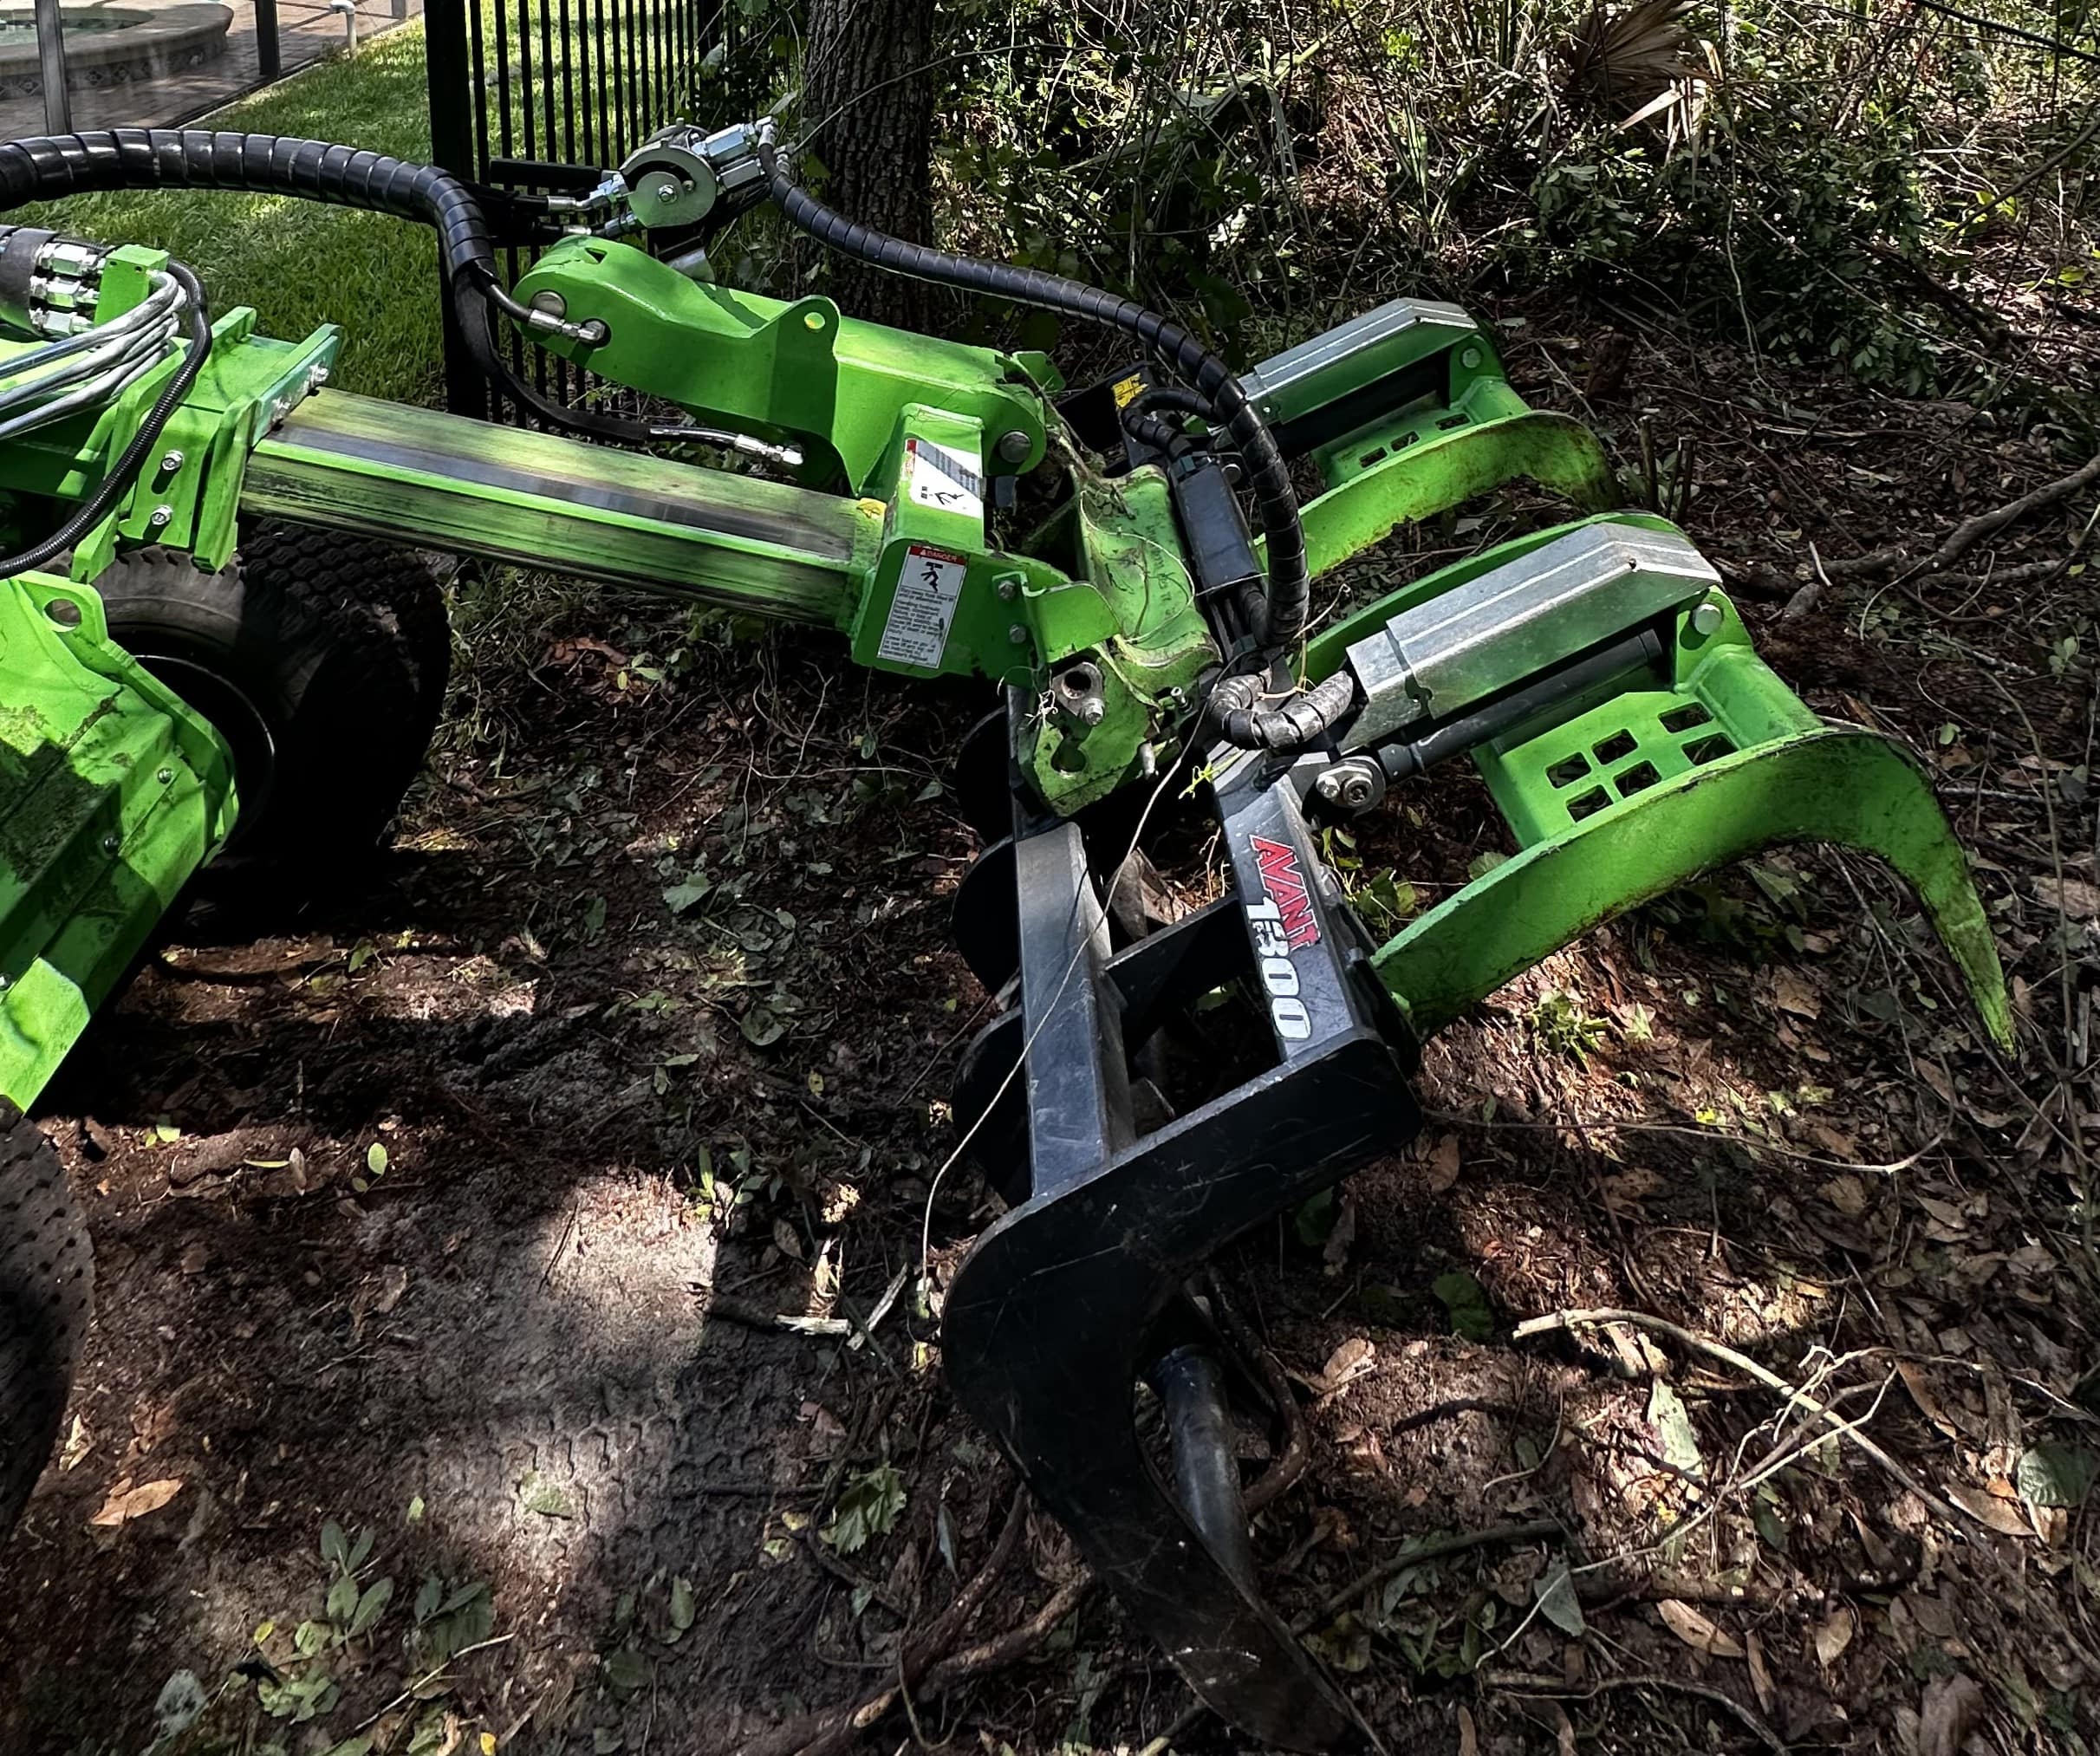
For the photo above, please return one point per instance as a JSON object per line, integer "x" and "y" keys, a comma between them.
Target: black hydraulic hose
{"x": 1173, "y": 396}
{"x": 46, "y": 166}
{"x": 49, "y": 166}
{"x": 117, "y": 480}
{"x": 1290, "y": 593}
{"x": 1159, "y": 434}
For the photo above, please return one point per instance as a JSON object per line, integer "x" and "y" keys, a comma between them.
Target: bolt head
{"x": 1008, "y": 590}
{"x": 166, "y": 777}
{"x": 1329, "y": 786}
{"x": 1707, "y": 618}
{"x": 170, "y": 462}
{"x": 667, "y": 192}
{"x": 1357, "y": 791}
{"x": 160, "y": 517}
{"x": 1093, "y": 711}
{"x": 1017, "y": 634}
{"x": 113, "y": 843}
{"x": 1470, "y": 359}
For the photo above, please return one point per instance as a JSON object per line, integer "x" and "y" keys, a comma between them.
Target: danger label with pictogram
{"x": 916, "y": 629}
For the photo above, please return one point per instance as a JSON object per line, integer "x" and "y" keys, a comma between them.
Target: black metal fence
{"x": 514, "y": 83}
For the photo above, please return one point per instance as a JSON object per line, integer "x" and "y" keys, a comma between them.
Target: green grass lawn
{"x": 300, "y": 263}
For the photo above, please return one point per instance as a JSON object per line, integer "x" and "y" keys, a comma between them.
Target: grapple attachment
{"x": 1630, "y": 736}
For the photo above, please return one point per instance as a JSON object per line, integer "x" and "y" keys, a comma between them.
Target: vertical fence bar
{"x": 51, "y": 69}
{"x": 452, "y": 147}
{"x": 269, "y": 56}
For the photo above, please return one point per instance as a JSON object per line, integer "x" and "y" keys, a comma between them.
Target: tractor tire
{"x": 321, "y": 660}
{"x": 46, "y": 1293}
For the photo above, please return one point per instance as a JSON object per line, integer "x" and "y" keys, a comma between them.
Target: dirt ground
{"x": 460, "y": 1214}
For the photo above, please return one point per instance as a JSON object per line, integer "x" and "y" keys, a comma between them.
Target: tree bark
{"x": 867, "y": 115}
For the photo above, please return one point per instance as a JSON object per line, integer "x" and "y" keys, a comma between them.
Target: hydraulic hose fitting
{"x": 48, "y": 284}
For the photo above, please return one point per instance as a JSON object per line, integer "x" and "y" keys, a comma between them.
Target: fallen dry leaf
{"x": 1796, "y": 996}
{"x": 1348, "y": 1363}
{"x": 1848, "y": 1193}
{"x": 1444, "y": 1164}
{"x": 2001, "y": 1516}
{"x": 1760, "y": 1678}
{"x": 392, "y": 1283}
{"x": 1696, "y": 1632}
{"x": 1469, "y": 1739}
{"x": 1834, "y": 1635}
{"x": 1921, "y": 1393}
{"x": 126, "y": 1502}
{"x": 2074, "y": 896}
{"x": 1949, "y": 1713}
{"x": 1335, "y": 1253}
{"x": 78, "y": 1443}
{"x": 1627, "y": 1189}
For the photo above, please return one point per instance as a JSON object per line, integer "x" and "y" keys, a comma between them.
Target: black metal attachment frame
{"x": 1078, "y": 1294}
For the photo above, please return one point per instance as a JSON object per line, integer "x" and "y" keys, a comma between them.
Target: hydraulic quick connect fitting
{"x": 48, "y": 284}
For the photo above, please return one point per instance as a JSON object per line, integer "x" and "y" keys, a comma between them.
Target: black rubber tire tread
{"x": 47, "y": 1296}
{"x": 341, "y": 644}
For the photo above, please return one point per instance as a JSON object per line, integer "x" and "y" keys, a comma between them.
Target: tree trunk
{"x": 867, "y": 115}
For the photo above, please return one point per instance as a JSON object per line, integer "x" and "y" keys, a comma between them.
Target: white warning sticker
{"x": 916, "y": 631}
{"x": 944, "y": 477}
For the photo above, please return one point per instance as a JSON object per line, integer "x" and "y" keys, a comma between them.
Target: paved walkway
{"x": 307, "y": 29}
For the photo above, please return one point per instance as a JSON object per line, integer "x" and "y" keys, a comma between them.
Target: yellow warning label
{"x": 1128, "y": 391}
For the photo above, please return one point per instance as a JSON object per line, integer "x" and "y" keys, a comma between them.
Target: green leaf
{"x": 1558, "y": 1601}
{"x": 335, "y": 1547}
{"x": 2057, "y": 1475}
{"x": 594, "y": 917}
{"x": 1672, "y": 1423}
{"x": 361, "y": 1548}
{"x": 359, "y": 1745}
{"x": 1313, "y": 1221}
{"x": 371, "y": 1606}
{"x": 181, "y": 1704}
{"x": 682, "y": 1610}
{"x": 427, "y": 1598}
{"x": 761, "y": 1027}
{"x": 416, "y": 1510}
{"x": 375, "y": 1158}
{"x": 542, "y": 1496}
{"x": 310, "y": 1637}
{"x": 1462, "y": 1296}
{"x": 869, "y": 1508}
{"x": 627, "y": 1670}
{"x": 680, "y": 897}
{"x": 342, "y": 1598}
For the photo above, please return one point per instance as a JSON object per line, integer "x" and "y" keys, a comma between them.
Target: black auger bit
{"x": 1077, "y": 1295}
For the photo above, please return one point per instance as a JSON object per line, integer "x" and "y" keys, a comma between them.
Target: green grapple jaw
{"x": 1698, "y": 757}
{"x": 112, "y": 794}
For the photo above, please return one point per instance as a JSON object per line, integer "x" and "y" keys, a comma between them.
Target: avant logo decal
{"x": 1285, "y": 884}
{"x": 1283, "y": 923}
